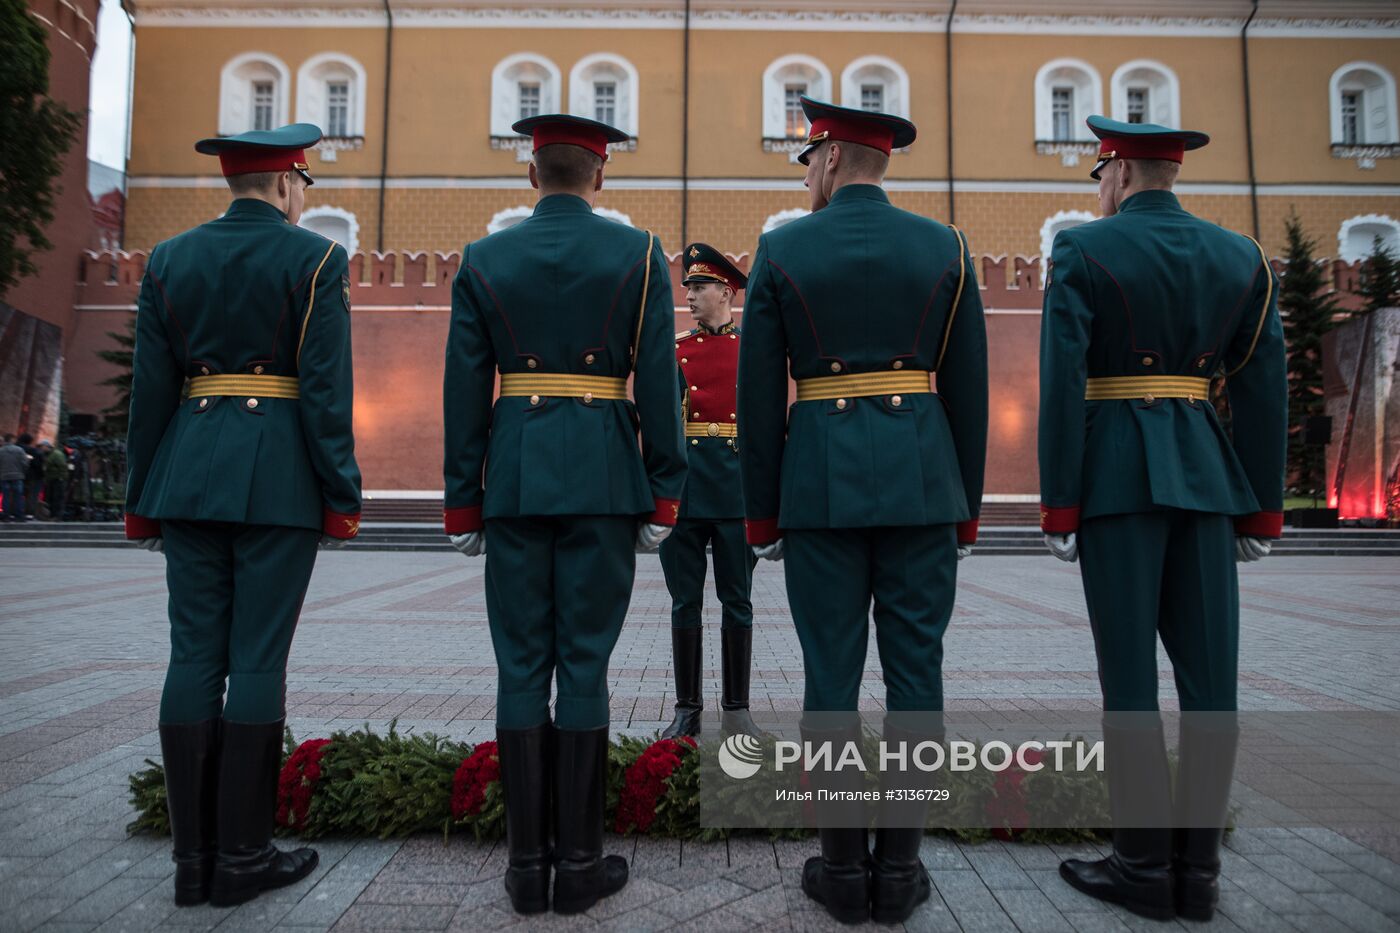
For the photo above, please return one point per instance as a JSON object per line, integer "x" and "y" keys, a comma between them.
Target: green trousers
{"x": 834, "y": 575}
{"x": 683, "y": 561}
{"x": 235, "y": 595}
{"x": 1169, "y": 573}
{"x": 557, "y": 589}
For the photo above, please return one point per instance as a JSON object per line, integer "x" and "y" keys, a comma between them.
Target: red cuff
{"x": 761, "y": 531}
{"x": 340, "y": 526}
{"x": 666, "y": 512}
{"x": 1260, "y": 525}
{"x": 462, "y": 521}
{"x": 138, "y": 527}
{"x": 1059, "y": 521}
{"x": 967, "y": 531}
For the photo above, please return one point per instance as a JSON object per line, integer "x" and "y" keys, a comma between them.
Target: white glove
{"x": 1249, "y": 549}
{"x": 156, "y": 545}
{"x": 649, "y": 536}
{"x": 332, "y": 543}
{"x": 471, "y": 544}
{"x": 964, "y": 550}
{"x": 772, "y": 551}
{"x": 1065, "y": 547}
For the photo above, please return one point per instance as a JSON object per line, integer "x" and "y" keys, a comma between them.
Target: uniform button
{"x": 252, "y": 403}
{"x": 712, "y": 430}
{"x": 699, "y": 339}
{"x": 694, "y": 442}
{"x": 733, "y": 417}
{"x": 836, "y": 367}
{"x": 733, "y": 336}
{"x": 531, "y": 363}
{"x": 697, "y": 416}
{"x": 897, "y": 364}
{"x": 730, "y": 442}
{"x": 695, "y": 388}
{"x": 534, "y": 400}
{"x": 257, "y": 370}
{"x": 204, "y": 370}
{"x": 1149, "y": 398}
{"x": 588, "y": 397}
{"x": 684, "y": 360}
{"x": 1147, "y": 361}
{"x": 841, "y": 403}
{"x": 896, "y": 401}
{"x": 1191, "y": 399}
{"x": 204, "y": 403}
{"x": 588, "y": 359}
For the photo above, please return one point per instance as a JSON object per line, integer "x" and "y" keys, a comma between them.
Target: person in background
{"x": 33, "y": 477}
{"x": 55, "y": 479}
{"x": 14, "y": 463}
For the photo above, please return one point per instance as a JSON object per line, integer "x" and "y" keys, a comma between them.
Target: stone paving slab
{"x": 390, "y": 636}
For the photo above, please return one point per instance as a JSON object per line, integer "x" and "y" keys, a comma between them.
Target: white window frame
{"x": 615, "y": 69}
{"x": 505, "y": 88}
{"x": 1163, "y": 91}
{"x": 1377, "y": 100}
{"x": 1344, "y": 250}
{"x": 1060, "y": 220}
{"x": 777, "y": 220}
{"x": 1084, "y": 79}
{"x": 236, "y": 90}
{"x": 790, "y": 69}
{"x": 877, "y": 69}
{"x": 312, "y": 78}
{"x": 338, "y": 213}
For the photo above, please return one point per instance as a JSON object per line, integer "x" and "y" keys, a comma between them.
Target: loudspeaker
{"x": 1317, "y": 430}
{"x": 81, "y": 424}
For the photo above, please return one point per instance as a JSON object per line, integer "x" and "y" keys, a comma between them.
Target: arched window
{"x": 522, "y": 85}
{"x": 604, "y": 87}
{"x": 331, "y": 94}
{"x": 1146, "y": 92}
{"x": 1060, "y": 220}
{"x": 333, "y": 223}
{"x": 785, "y": 81}
{"x": 784, "y": 217}
{"x": 876, "y": 83}
{"x": 1357, "y": 236}
{"x": 253, "y": 93}
{"x": 1067, "y": 92}
{"x": 611, "y": 214}
{"x": 508, "y": 218}
{"x": 1363, "y": 105}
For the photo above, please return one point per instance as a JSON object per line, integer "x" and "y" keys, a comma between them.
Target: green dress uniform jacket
{"x": 1154, "y": 291}
{"x": 247, "y": 294}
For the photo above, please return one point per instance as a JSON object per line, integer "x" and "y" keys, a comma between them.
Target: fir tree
{"x": 120, "y": 410}
{"x": 1379, "y": 285}
{"x": 1307, "y": 311}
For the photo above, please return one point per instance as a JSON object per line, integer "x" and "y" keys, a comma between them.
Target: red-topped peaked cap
{"x": 1119, "y": 140}
{"x": 883, "y": 131}
{"x": 553, "y": 129}
{"x": 704, "y": 263}
{"x": 279, "y": 150}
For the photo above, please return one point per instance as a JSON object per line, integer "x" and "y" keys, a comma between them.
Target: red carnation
{"x": 297, "y": 782}
{"x": 475, "y": 774}
{"x": 644, "y": 783}
{"x": 1007, "y": 807}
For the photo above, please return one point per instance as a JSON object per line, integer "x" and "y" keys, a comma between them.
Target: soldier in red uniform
{"x": 712, "y": 509}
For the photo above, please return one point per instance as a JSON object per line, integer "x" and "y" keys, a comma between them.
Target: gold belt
{"x": 259, "y": 386}
{"x": 562, "y": 385}
{"x": 858, "y": 385}
{"x": 1147, "y": 388}
{"x": 713, "y": 429}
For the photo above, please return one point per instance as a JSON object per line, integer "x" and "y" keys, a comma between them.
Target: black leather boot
{"x": 685, "y": 652}
{"x": 899, "y": 882}
{"x": 736, "y": 656}
{"x": 248, "y": 862}
{"x": 1138, "y": 875}
{"x": 1207, "y": 764}
{"x": 839, "y": 878}
{"x": 190, "y": 753}
{"x": 526, "y": 777}
{"x": 582, "y": 874}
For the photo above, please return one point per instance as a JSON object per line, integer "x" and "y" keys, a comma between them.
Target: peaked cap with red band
{"x": 1119, "y": 140}
{"x": 562, "y": 128}
{"x": 279, "y": 150}
{"x": 704, "y": 263}
{"x": 882, "y": 131}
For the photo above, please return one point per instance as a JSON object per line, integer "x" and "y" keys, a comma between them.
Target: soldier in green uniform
{"x": 870, "y": 486}
{"x": 1139, "y": 479}
{"x": 240, "y": 460}
{"x": 552, "y": 485}
{"x": 712, "y": 510}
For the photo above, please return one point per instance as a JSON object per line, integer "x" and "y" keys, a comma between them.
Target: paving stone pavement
{"x": 82, "y": 645}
